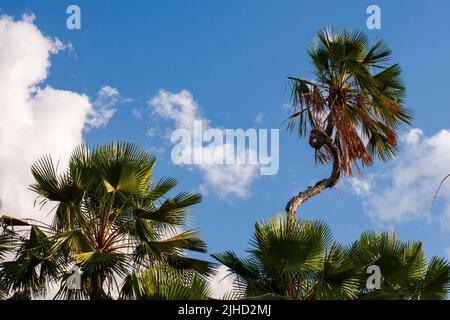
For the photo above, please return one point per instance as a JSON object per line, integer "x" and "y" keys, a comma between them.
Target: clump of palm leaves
{"x": 110, "y": 220}
{"x": 298, "y": 259}
{"x": 352, "y": 109}
{"x": 164, "y": 283}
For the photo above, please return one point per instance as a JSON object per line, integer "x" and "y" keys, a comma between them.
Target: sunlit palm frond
{"x": 435, "y": 284}
{"x": 401, "y": 263}
{"x": 161, "y": 188}
{"x": 285, "y": 255}
{"x": 166, "y": 284}
{"x": 172, "y": 211}
{"x": 284, "y": 245}
{"x": 340, "y": 277}
{"x": 188, "y": 240}
{"x": 63, "y": 189}
{"x": 295, "y": 259}
{"x": 124, "y": 167}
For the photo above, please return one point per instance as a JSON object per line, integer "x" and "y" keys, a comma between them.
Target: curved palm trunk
{"x": 318, "y": 139}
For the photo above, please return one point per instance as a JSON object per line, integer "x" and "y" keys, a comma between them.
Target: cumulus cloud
{"x": 227, "y": 179}
{"x": 405, "y": 191}
{"x": 103, "y": 107}
{"x": 361, "y": 185}
{"x": 36, "y": 119}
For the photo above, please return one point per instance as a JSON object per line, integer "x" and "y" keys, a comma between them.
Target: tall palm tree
{"x": 297, "y": 259}
{"x": 110, "y": 220}
{"x": 353, "y": 108}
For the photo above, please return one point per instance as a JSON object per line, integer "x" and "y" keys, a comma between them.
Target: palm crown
{"x": 109, "y": 221}
{"x": 353, "y": 109}
{"x": 298, "y": 259}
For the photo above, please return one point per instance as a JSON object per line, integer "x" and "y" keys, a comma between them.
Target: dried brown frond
{"x": 350, "y": 143}
{"x": 390, "y": 134}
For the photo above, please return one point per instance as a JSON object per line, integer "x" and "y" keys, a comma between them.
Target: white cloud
{"x": 259, "y": 117}
{"x": 36, "y": 119}
{"x": 180, "y": 107}
{"x": 28, "y": 17}
{"x": 361, "y": 185}
{"x": 405, "y": 191}
{"x": 413, "y": 137}
{"x": 103, "y": 107}
{"x": 232, "y": 179}
{"x": 222, "y": 282}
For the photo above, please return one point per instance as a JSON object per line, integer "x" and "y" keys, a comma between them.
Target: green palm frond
{"x": 284, "y": 253}
{"x": 64, "y": 189}
{"x": 187, "y": 264}
{"x": 93, "y": 262}
{"x": 249, "y": 280}
{"x": 166, "y": 284}
{"x": 340, "y": 277}
{"x": 402, "y": 264}
{"x": 172, "y": 211}
{"x": 296, "y": 259}
{"x": 284, "y": 245}
{"x": 124, "y": 167}
{"x": 436, "y": 281}
{"x": 162, "y": 187}
{"x": 33, "y": 268}
{"x": 74, "y": 241}
{"x": 188, "y": 240}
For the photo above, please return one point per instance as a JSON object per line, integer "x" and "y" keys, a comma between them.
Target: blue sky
{"x": 233, "y": 57}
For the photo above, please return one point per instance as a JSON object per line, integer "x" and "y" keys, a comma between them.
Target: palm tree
{"x": 297, "y": 259}
{"x": 352, "y": 110}
{"x": 110, "y": 220}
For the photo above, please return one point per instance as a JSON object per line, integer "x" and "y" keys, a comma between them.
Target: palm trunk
{"x": 317, "y": 140}
{"x": 97, "y": 292}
